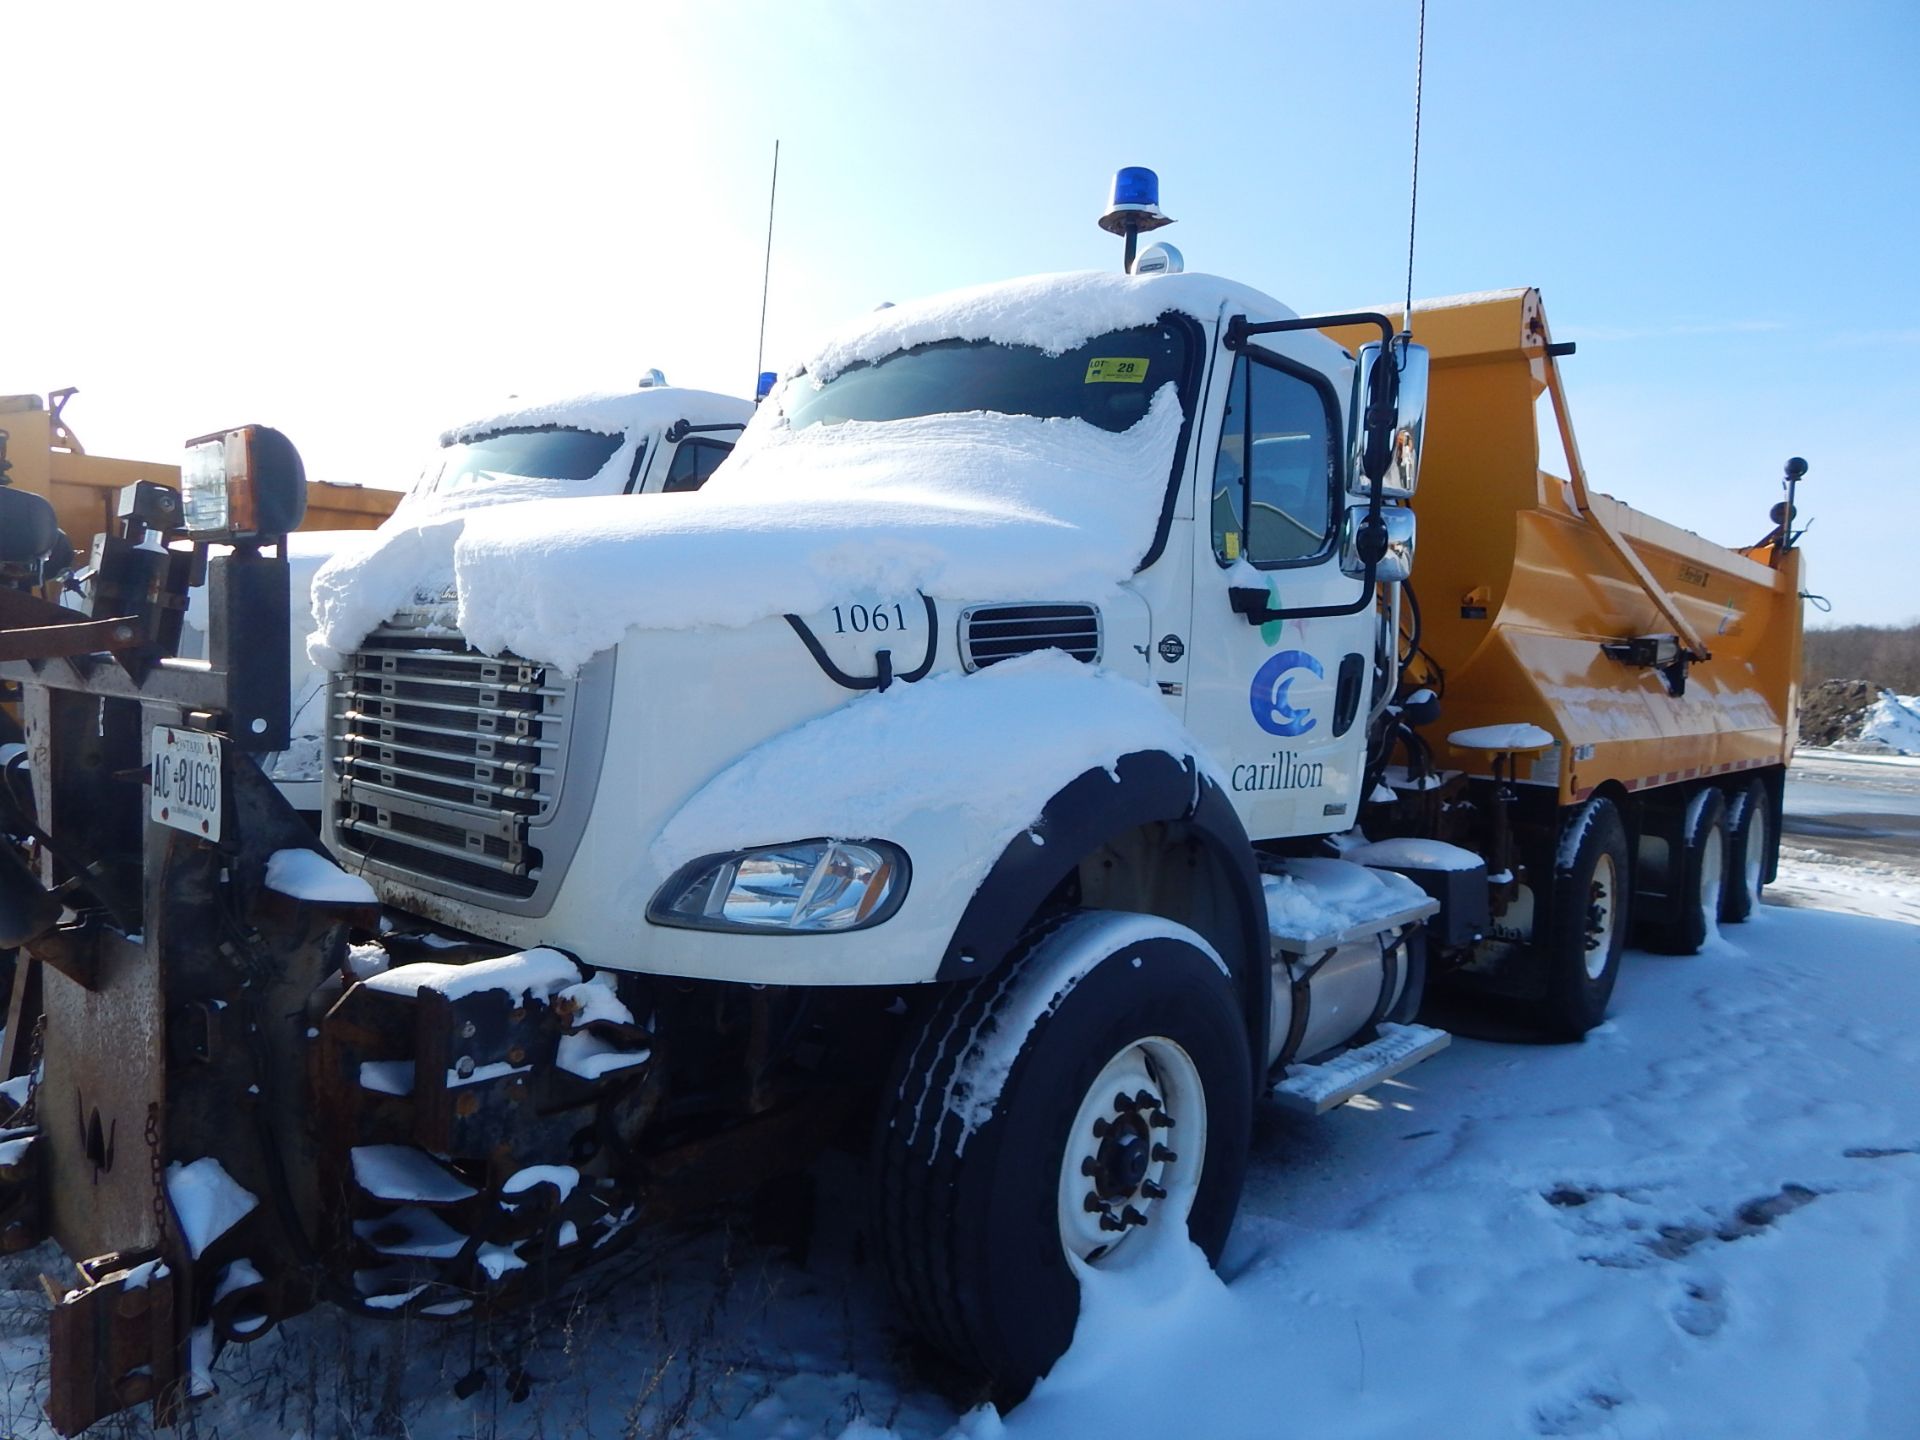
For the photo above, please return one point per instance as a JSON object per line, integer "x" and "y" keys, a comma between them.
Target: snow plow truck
{"x": 1027, "y": 755}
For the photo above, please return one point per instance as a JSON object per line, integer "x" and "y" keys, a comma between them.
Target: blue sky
{"x": 365, "y": 223}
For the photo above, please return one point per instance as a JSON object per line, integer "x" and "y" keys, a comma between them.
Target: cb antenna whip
{"x": 1413, "y": 201}
{"x": 766, "y": 270}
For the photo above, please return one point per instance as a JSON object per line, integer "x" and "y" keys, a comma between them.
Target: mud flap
{"x": 115, "y": 1342}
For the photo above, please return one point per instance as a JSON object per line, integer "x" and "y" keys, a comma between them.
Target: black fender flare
{"x": 1143, "y": 787}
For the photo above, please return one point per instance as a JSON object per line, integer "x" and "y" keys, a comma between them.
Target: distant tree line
{"x": 1883, "y": 655}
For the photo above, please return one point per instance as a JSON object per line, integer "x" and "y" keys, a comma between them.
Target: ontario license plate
{"x": 186, "y": 781}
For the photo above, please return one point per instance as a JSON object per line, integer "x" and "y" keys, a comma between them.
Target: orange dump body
{"x": 83, "y": 488}
{"x": 1521, "y": 575}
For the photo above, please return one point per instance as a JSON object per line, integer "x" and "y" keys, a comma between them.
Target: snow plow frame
{"x": 200, "y": 1106}
{"x": 139, "y": 988}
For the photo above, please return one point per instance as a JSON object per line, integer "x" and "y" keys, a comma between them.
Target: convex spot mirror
{"x": 1392, "y": 445}
{"x": 1396, "y": 564}
{"x": 27, "y": 527}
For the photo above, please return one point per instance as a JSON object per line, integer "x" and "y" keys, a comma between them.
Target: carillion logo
{"x": 1269, "y": 699}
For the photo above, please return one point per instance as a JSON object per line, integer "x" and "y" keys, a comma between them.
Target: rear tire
{"x": 1029, "y": 1118}
{"x": 1701, "y": 875}
{"x": 1749, "y": 849}
{"x": 1587, "y": 927}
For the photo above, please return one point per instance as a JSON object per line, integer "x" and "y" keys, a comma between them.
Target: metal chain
{"x": 36, "y": 1054}
{"x": 157, "y": 1170}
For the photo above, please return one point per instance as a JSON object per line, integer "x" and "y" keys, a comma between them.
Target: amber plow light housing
{"x": 242, "y": 485}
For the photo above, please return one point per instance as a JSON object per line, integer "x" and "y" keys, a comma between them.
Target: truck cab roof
{"x": 596, "y": 444}
{"x": 1051, "y": 312}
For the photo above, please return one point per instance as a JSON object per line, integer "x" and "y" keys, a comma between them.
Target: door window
{"x": 693, "y": 462}
{"x": 1276, "y": 480}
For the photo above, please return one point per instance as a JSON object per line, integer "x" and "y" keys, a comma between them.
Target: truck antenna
{"x": 766, "y": 270}
{"x": 1413, "y": 200}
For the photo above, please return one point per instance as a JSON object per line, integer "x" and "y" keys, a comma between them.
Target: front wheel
{"x": 1086, "y": 1106}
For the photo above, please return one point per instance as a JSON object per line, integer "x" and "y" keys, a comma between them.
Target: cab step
{"x": 1316, "y": 1089}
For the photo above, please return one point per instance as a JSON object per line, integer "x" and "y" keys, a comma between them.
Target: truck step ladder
{"x": 1316, "y": 1089}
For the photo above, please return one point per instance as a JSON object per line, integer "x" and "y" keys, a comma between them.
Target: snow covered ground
{"x": 1851, "y": 834}
{"x": 1892, "y": 724}
{"x": 1704, "y": 1221}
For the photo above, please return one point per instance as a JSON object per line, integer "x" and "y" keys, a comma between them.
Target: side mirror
{"x": 1395, "y": 562}
{"x": 27, "y": 527}
{"x": 1390, "y": 419}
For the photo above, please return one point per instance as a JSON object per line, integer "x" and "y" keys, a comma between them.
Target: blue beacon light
{"x": 1134, "y": 207}
{"x": 764, "y": 387}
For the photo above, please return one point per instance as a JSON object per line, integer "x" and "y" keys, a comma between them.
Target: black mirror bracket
{"x": 680, "y": 429}
{"x": 1251, "y": 601}
{"x": 1383, "y": 401}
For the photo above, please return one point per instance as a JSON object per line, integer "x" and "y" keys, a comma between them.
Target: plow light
{"x": 242, "y": 486}
{"x": 27, "y": 527}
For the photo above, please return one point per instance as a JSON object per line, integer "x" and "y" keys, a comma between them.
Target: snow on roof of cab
{"x": 1053, "y": 313}
{"x": 611, "y": 412}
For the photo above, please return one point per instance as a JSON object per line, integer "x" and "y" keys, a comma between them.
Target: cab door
{"x": 1279, "y": 704}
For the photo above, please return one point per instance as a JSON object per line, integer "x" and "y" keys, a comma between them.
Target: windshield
{"x": 1109, "y": 381}
{"x": 550, "y": 452}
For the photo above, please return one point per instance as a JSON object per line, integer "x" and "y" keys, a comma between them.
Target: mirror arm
{"x": 680, "y": 429}
{"x": 1239, "y": 328}
{"x": 1251, "y": 601}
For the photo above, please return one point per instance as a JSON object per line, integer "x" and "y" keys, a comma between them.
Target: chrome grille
{"x": 992, "y": 633}
{"x": 444, "y": 757}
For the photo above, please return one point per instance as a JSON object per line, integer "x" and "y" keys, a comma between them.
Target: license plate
{"x": 186, "y": 781}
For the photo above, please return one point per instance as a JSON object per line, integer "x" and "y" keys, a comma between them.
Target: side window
{"x": 693, "y": 462}
{"x": 1276, "y": 479}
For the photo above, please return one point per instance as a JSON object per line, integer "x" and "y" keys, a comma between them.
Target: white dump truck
{"x": 1023, "y": 759}
{"x": 658, "y": 439}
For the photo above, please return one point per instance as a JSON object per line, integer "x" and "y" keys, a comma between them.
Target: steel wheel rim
{"x": 1132, "y": 1162}
{"x": 1601, "y": 909}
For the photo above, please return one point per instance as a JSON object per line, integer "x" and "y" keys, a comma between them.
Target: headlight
{"x": 808, "y": 887}
{"x": 242, "y": 485}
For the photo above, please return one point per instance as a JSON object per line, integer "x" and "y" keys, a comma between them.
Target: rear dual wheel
{"x": 1698, "y": 873}
{"x": 1749, "y": 850}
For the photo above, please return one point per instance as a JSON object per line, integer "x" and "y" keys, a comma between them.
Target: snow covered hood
{"x": 983, "y": 753}
{"x": 976, "y": 507}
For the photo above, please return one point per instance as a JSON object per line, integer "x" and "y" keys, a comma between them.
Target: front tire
{"x": 1587, "y": 928}
{"x": 1087, "y": 1104}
